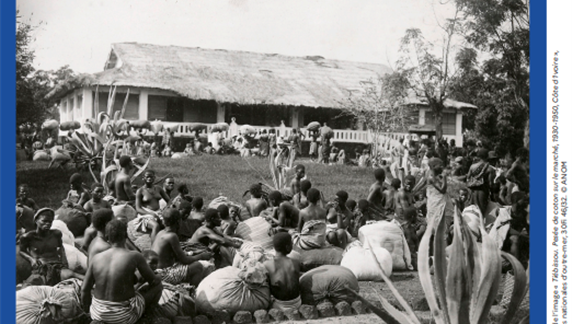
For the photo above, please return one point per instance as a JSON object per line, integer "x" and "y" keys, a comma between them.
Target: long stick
{"x": 377, "y": 311}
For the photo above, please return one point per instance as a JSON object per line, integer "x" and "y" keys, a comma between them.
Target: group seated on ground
{"x": 185, "y": 242}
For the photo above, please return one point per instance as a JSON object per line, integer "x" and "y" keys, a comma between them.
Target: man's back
{"x": 162, "y": 245}
{"x": 97, "y": 246}
{"x": 121, "y": 182}
{"x": 284, "y": 275}
{"x": 313, "y": 213}
{"x": 114, "y": 274}
{"x": 255, "y": 206}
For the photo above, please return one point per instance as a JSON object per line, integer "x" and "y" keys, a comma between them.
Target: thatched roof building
{"x": 181, "y": 84}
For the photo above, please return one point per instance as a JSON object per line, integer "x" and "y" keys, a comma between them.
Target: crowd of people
{"x": 188, "y": 241}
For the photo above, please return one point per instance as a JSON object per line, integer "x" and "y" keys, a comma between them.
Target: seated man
{"x": 113, "y": 272}
{"x": 96, "y": 202}
{"x": 256, "y": 204}
{"x": 517, "y": 240}
{"x": 284, "y": 275}
{"x": 91, "y": 233}
{"x": 45, "y": 251}
{"x": 413, "y": 229}
{"x": 188, "y": 226}
{"x": 284, "y": 214}
{"x": 228, "y": 226}
{"x": 300, "y": 199}
{"x": 183, "y": 195}
{"x": 23, "y": 198}
{"x": 390, "y": 196}
{"x": 375, "y": 197}
{"x": 174, "y": 265}
{"x": 339, "y": 218}
{"x": 99, "y": 220}
{"x": 123, "y": 189}
{"x": 312, "y": 224}
{"x": 197, "y": 211}
{"x": 208, "y": 237}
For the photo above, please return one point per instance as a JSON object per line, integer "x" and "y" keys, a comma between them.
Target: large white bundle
{"x": 67, "y": 235}
{"x": 313, "y": 126}
{"x": 50, "y": 124}
{"x": 247, "y": 130}
{"x": 41, "y": 156}
{"x": 77, "y": 261}
{"x": 233, "y": 290}
{"x": 45, "y": 305}
{"x": 387, "y": 235}
{"x": 249, "y": 250}
{"x": 156, "y": 126}
{"x": 364, "y": 262}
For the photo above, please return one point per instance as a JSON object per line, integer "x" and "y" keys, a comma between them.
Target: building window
{"x": 449, "y": 122}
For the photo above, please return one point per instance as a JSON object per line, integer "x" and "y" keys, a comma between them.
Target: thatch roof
{"x": 413, "y": 100}
{"x": 234, "y": 76}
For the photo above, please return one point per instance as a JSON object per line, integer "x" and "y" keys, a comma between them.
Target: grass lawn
{"x": 209, "y": 176}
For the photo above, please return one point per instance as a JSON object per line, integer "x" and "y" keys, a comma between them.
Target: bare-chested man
{"x": 209, "y": 237}
{"x": 123, "y": 191}
{"x": 175, "y": 266}
{"x": 390, "y": 197}
{"x": 312, "y": 223}
{"x": 45, "y": 251}
{"x": 113, "y": 272}
{"x": 375, "y": 197}
{"x": 284, "y": 275}
{"x": 99, "y": 220}
{"x": 256, "y": 204}
{"x": 24, "y": 199}
{"x": 300, "y": 174}
{"x": 300, "y": 199}
{"x": 228, "y": 226}
{"x": 96, "y": 202}
{"x": 284, "y": 214}
{"x": 405, "y": 197}
{"x": 339, "y": 218}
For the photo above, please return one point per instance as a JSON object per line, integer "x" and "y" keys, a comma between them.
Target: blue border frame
{"x": 538, "y": 209}
{"x": 7, "y": 161}
{"x": 537, "y": 160}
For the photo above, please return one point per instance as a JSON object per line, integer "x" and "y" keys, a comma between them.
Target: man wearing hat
{"x": 45, "y": 251}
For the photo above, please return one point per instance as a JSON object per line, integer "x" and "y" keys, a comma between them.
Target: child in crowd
{"x": 390, "y": 197}
{"x": 96, "y": 202}
{"x": 284, "y": 275}
{"x": 188, "y": 225}
{"x": 77, "y": 196}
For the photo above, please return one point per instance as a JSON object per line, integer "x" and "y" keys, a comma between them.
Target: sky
{"x": 79, "y": 33}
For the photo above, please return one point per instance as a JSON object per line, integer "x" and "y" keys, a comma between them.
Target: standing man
{"x": 115, "y": 300}
{"x": 123, "y": 190}
{"x": 295, "y": 146}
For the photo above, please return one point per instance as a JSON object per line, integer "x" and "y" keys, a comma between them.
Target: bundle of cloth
{"x": 328, "y": 283}
{"x": 367, "y": 263}
{"x": 389, "y": 236}
{"x": 232, "y": 289}
{"x": 45, "y": 304}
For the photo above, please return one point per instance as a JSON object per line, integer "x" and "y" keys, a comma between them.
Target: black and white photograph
{"x": 259, "y": 161}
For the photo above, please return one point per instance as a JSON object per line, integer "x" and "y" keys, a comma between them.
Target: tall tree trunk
{"x": 438, "y": 114}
